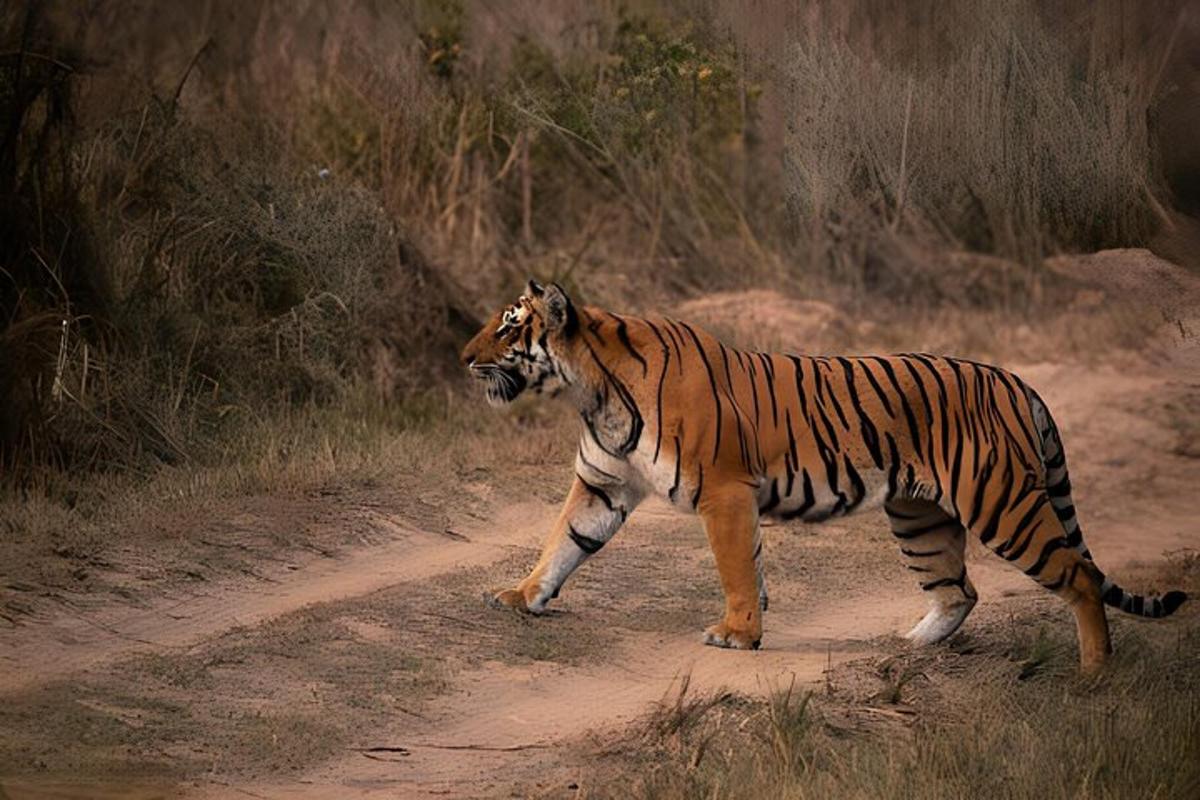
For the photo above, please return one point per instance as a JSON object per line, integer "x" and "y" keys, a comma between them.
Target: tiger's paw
{"x": 510, "y": 599}
{"x": 721, "y": 635}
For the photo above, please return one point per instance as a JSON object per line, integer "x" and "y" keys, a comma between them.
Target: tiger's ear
{"x": 560, "y": 314}
{"x": 533, "y": 289}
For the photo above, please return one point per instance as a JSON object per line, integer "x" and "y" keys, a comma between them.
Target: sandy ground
{"x": 378, "y": 671}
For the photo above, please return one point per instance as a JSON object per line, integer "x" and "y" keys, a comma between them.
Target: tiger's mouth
{"x": 501, "y": 386}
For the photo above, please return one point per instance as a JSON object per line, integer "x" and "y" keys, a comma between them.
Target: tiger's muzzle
{"x": 502, "y": 384}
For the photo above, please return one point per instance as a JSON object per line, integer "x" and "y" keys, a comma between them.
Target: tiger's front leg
{"x": 730, "y": 519}
{"x": 589, "y": 518}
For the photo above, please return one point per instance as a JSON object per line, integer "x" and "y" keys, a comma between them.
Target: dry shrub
{"x": 216, "y": 282}
{"x": 632, "y": 151}
{"x": 993, "y": 725}
{"x": 995, "y": 127}
{"x": 588, "y": 144}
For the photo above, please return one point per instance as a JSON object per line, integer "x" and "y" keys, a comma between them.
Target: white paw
{"x": 939, "y": 623}
{"x": 716, "y": 639}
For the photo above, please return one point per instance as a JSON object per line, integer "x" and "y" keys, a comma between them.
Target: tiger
{"x": 947, "y": 446}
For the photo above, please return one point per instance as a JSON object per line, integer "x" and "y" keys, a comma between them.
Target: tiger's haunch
{"x": 948, "y": 447}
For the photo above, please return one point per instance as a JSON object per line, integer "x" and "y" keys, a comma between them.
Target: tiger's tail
{"x": 1058, "y": 486}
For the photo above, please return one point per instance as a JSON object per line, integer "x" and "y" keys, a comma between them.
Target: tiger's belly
{"x": 809, "y": 494}
{"x": 814, "y": 495}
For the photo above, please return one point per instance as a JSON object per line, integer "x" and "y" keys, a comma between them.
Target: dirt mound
{"x": 1134, "y": 274}
{"x": 1137, "y": 277}
{"x": 768, "y": 320}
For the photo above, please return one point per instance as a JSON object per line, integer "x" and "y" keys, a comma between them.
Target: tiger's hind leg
{"x": 933, "y": 545}
{"x": 763, "y": 600}
{"x": 1030, "y": 535}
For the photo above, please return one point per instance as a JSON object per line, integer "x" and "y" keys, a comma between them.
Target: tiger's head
{"x": 516, "y": 349}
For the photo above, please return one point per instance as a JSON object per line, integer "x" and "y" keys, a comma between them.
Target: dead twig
{"x": 404, "y": 751}
{"x": 453, "y": 534}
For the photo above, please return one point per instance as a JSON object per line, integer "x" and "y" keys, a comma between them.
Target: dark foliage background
{"x": 210, "y": 212}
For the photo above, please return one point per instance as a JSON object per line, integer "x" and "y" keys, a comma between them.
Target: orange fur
{"x": 948, "y": 446}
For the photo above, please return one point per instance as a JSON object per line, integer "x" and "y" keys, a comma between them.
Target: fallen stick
{"x": 404, "y": 751}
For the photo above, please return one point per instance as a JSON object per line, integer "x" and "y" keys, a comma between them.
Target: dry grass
{"x": 78, "y": 532}
{"x": 996, "y": 127}
{"x": 216, "y": 243}
{"x": 212, "y": 272}
{"x": 991, "y": 716}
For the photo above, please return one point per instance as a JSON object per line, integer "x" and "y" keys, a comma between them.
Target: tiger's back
{"x": 947, "y": 446}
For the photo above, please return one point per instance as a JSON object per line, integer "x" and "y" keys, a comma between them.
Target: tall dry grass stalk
{"x": 993, "y": 127}
{"x": 254, "y": 239}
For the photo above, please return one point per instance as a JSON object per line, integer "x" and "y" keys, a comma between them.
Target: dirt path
{"x": 66, "y": 643}
{"x": 504, "y": 721}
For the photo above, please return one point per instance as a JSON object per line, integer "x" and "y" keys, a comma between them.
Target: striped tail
{"x": 1058, "y": 486}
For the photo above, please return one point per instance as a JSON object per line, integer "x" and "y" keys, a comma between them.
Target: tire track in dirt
{"x": 502, "y": 714}
{"x": 501, "y": 722}
{"x": 505, "y": 719}
{"x": 66, "y": 643}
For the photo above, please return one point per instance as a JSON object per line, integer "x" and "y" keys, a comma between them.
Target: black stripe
{"x": 943, "y": 404}
{"x": 831, "y": 468}
{"x": 596, "y": 469}
{"x": 772, "y": 499}
{"x": 792, "y": 461}
{"x": 635, "y": 428}
{"x": 585, "y": 543}
{"x": 712, "y": 382}
{"x": 809, "y": 498}
{"x": 1027, "y": 518}
{"x": 662, "y": 380}
{"x": 960, "y": 582}
{"x": 878, "y": 389}
{"x": 921, "y": 553}
{"x": 1048, "y": 549}
{"x": 937, "y": 376}
{"x": 1022, "y": 419}
{"x": 769, "y": 374}
{"x": 904, "y": 404}
{"x": 893, "y": 467}
{"x": 981, "y": 482}
{"x": 1064, "y": 513}
{"x": 989, "y": 530}
{"x": 924, "y": 529}
{"x": 916, "y": 376}
{"x": 678, "y": 461}
{"x": 749, "y": 369}
{"x": 623, "y": 336}
{"x": 743, "y": 448}
{"x": 677, "y": 340}
{"x": 800, "y": 391}
{"x": 869, "y": 433}
{"x": 596, "y": 491}
{"x": 825, "y": 381}
{"x": 1029, "y": 539}
{"x": 856, "y": 483}
{"x": 956, "y": 465}
{"x": 1065, "y": 578}
{"x": 1060, "y": 489}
